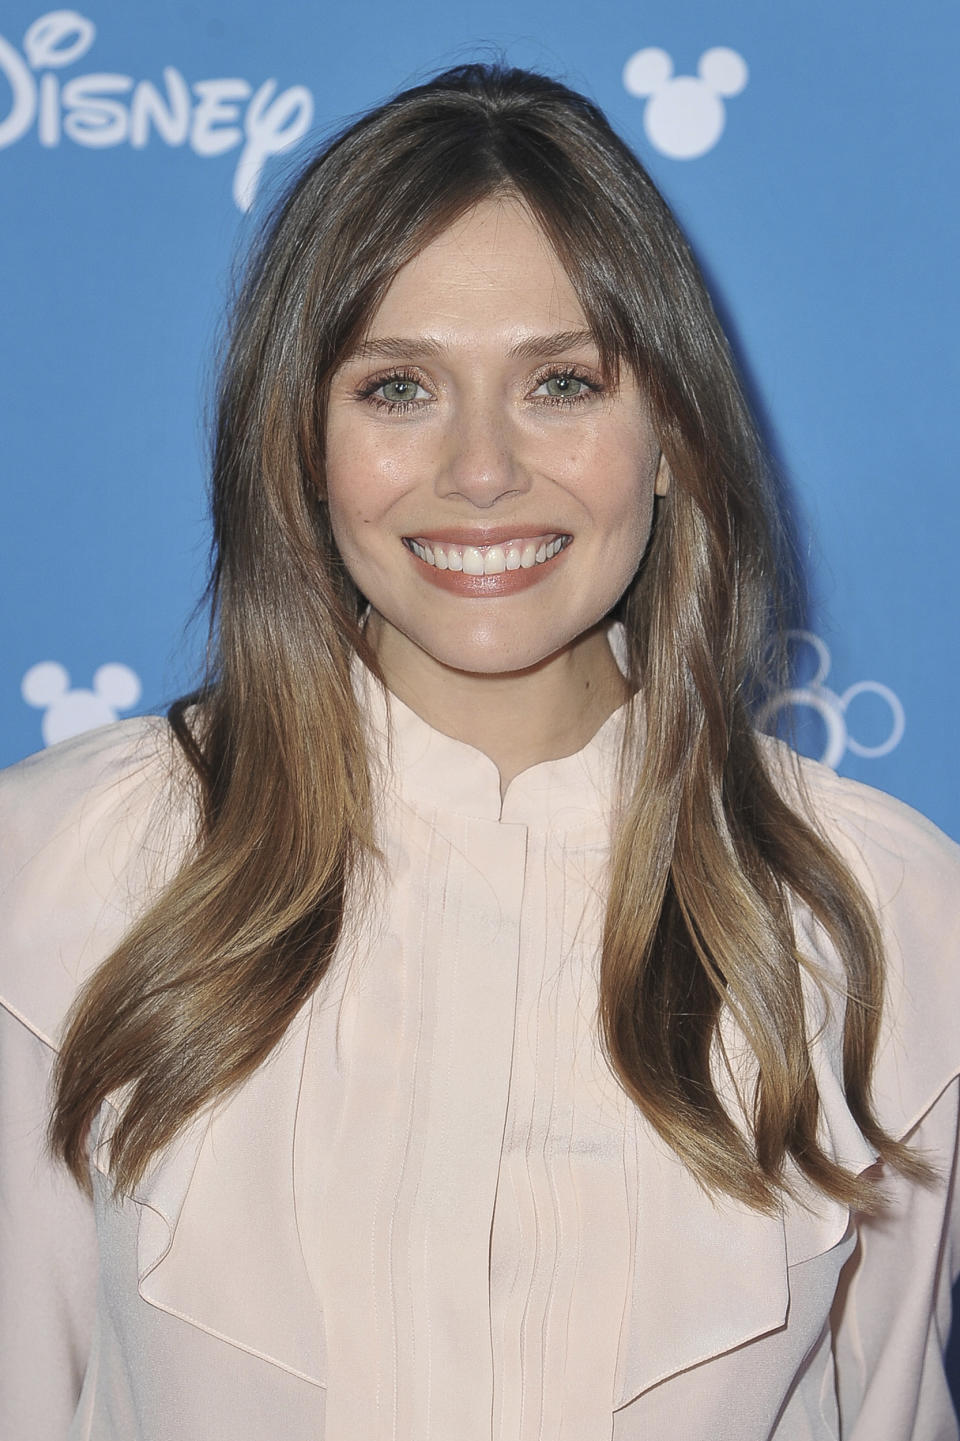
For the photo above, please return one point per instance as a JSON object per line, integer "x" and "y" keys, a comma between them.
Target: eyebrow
{"x": 535, "y": 347}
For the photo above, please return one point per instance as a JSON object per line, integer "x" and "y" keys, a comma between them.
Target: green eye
{"x": 564, "y": 387}
{"x": 397, "y": 391}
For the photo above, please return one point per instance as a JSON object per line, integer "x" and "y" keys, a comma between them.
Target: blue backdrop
{"x": 807, "y": 148}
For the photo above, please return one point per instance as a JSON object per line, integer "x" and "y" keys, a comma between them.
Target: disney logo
{"x": 832, "y": 708}
{"x": 104, "y": 109}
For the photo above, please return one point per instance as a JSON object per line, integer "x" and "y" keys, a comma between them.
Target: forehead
{"x": 493, "y": 268}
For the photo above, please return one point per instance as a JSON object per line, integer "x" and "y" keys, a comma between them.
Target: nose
{"x": 480, "y": 462}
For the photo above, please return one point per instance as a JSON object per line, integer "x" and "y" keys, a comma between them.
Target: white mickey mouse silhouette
{"x": 684, "y": 115}
{"x": 68, "y": 712}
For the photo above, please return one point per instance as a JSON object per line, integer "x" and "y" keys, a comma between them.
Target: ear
{"x": 662, "y": 483}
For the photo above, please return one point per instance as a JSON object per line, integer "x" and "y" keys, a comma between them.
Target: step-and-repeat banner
{"x": 809, "y": 150}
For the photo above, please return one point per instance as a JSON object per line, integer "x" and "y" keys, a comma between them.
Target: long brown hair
{"x": 707, "y": 852}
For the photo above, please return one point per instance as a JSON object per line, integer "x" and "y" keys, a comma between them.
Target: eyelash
{"x": 369, "y": 390}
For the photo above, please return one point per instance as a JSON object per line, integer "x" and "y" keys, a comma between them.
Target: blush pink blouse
{"x": 433, "y": 1215}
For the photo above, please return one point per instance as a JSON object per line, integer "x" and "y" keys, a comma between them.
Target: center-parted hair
{"x": 708, "y": 857}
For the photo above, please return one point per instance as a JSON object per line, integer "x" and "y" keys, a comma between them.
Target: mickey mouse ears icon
{"x": 69, "y": 712}
{"x": 684, "y": 116}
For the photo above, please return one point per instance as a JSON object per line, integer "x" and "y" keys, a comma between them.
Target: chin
{"x": 488, "y": 654}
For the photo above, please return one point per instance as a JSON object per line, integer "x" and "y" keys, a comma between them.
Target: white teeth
{"x": 489, "y": 559}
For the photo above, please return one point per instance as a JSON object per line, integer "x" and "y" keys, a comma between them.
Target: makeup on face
{"x": 489, "y": 489}
{"x": 487, "y": 562}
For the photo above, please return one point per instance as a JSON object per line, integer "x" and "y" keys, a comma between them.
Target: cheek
{"x": 364, "y": 482}
{"x": 624, "y": 505}
{"x": 358, "y": 499}
{"x": 350, "y": 522}
{"x": 342, "y": 506}
{"x": 351, "y": 493}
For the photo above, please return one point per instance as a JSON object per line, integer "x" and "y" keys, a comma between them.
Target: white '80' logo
{"x": 832, "y": 707}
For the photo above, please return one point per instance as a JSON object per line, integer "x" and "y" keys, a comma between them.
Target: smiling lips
{"x": 499, "y": 567}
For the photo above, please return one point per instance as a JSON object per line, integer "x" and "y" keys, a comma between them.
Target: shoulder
{"x": 909, "y": 871}
{"x": 89, "y": 831}
{"x": 901, "y": 859}
{"x": 80, "y": 766}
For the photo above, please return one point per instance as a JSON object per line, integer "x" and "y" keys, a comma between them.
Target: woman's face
{"x": 490, "y": 496}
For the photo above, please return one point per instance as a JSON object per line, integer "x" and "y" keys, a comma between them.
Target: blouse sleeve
{"x": 48, "y": 1253}
{"x": 77, "y": 850}
{"x": 891, "y": 1318}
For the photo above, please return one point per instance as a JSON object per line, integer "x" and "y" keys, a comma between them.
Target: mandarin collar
{"x": 433, "y": 772}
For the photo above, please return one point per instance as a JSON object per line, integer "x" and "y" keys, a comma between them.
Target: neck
{"x": 518, "y": 718}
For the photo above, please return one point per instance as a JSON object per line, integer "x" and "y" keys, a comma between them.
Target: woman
{"x": 466, "y": 1024}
